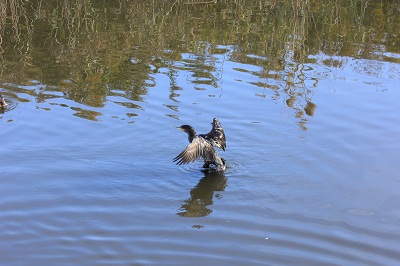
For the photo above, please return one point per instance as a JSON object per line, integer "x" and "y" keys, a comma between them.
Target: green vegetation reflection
{"x": 87, "y": 51}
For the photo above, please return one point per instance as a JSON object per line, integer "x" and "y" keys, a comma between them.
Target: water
{"x": 312, "y": 154}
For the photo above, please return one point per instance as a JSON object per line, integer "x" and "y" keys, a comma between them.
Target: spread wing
{"x": 199, "y": 147}
{"x": 217, "y": 135}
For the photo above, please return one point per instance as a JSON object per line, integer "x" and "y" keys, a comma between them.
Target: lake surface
{"x": 308, "y": 98}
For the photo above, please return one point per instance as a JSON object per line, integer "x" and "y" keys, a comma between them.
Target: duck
{"x": 3, "y": 103}
{"x": 202, "y": 145}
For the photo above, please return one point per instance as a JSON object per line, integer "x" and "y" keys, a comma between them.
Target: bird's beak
{"x": 179, "y": 128}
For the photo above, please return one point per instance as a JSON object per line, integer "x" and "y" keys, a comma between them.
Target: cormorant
{"x": 217, "y": 135}
{"x": 202, "y": 145}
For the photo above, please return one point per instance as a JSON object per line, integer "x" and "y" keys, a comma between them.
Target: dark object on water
{"x": 3, "y": 103}
{"x": 217, "y": 135}
{"x": 203, "y": 146}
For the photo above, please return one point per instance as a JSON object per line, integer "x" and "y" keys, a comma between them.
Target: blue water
{"x": 92, "y": 185}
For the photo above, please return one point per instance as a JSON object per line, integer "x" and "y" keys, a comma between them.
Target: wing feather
{"x": 199, "y": 147}
{"x": 217, "y": 135}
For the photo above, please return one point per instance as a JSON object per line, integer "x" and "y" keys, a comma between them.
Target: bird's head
{"x": 186, "y": 128}
{"x": 189, "y": 130}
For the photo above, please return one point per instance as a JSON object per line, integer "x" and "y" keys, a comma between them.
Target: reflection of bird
{"x": 203, "y": 195}
{"x": 203, "y": 146}
{"x": 2, "y": 101}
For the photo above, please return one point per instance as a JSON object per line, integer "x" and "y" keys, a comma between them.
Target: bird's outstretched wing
{"x": 199, "y": 147}
{"x": 217, "y": 135}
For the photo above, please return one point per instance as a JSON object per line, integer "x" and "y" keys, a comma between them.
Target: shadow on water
{"x": 202, "y": 195}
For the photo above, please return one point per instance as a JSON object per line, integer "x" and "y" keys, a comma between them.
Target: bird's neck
{"x": 191, "y": 135}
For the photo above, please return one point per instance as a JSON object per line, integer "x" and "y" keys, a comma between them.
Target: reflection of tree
{"x": 201, "y": 196}
{"x": 89, "y": 50}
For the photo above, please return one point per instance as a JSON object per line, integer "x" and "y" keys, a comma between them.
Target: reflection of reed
{"x": 3, "y": 16}
{"x": 201, "y": 196}
{"x": 310, "y": 108}
{"x": 87, "y": 47}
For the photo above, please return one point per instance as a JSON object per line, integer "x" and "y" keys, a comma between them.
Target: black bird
{"x": 216, "y": 135}
{"x": 2, "y": 101}
{"x": 203, "y": 146}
